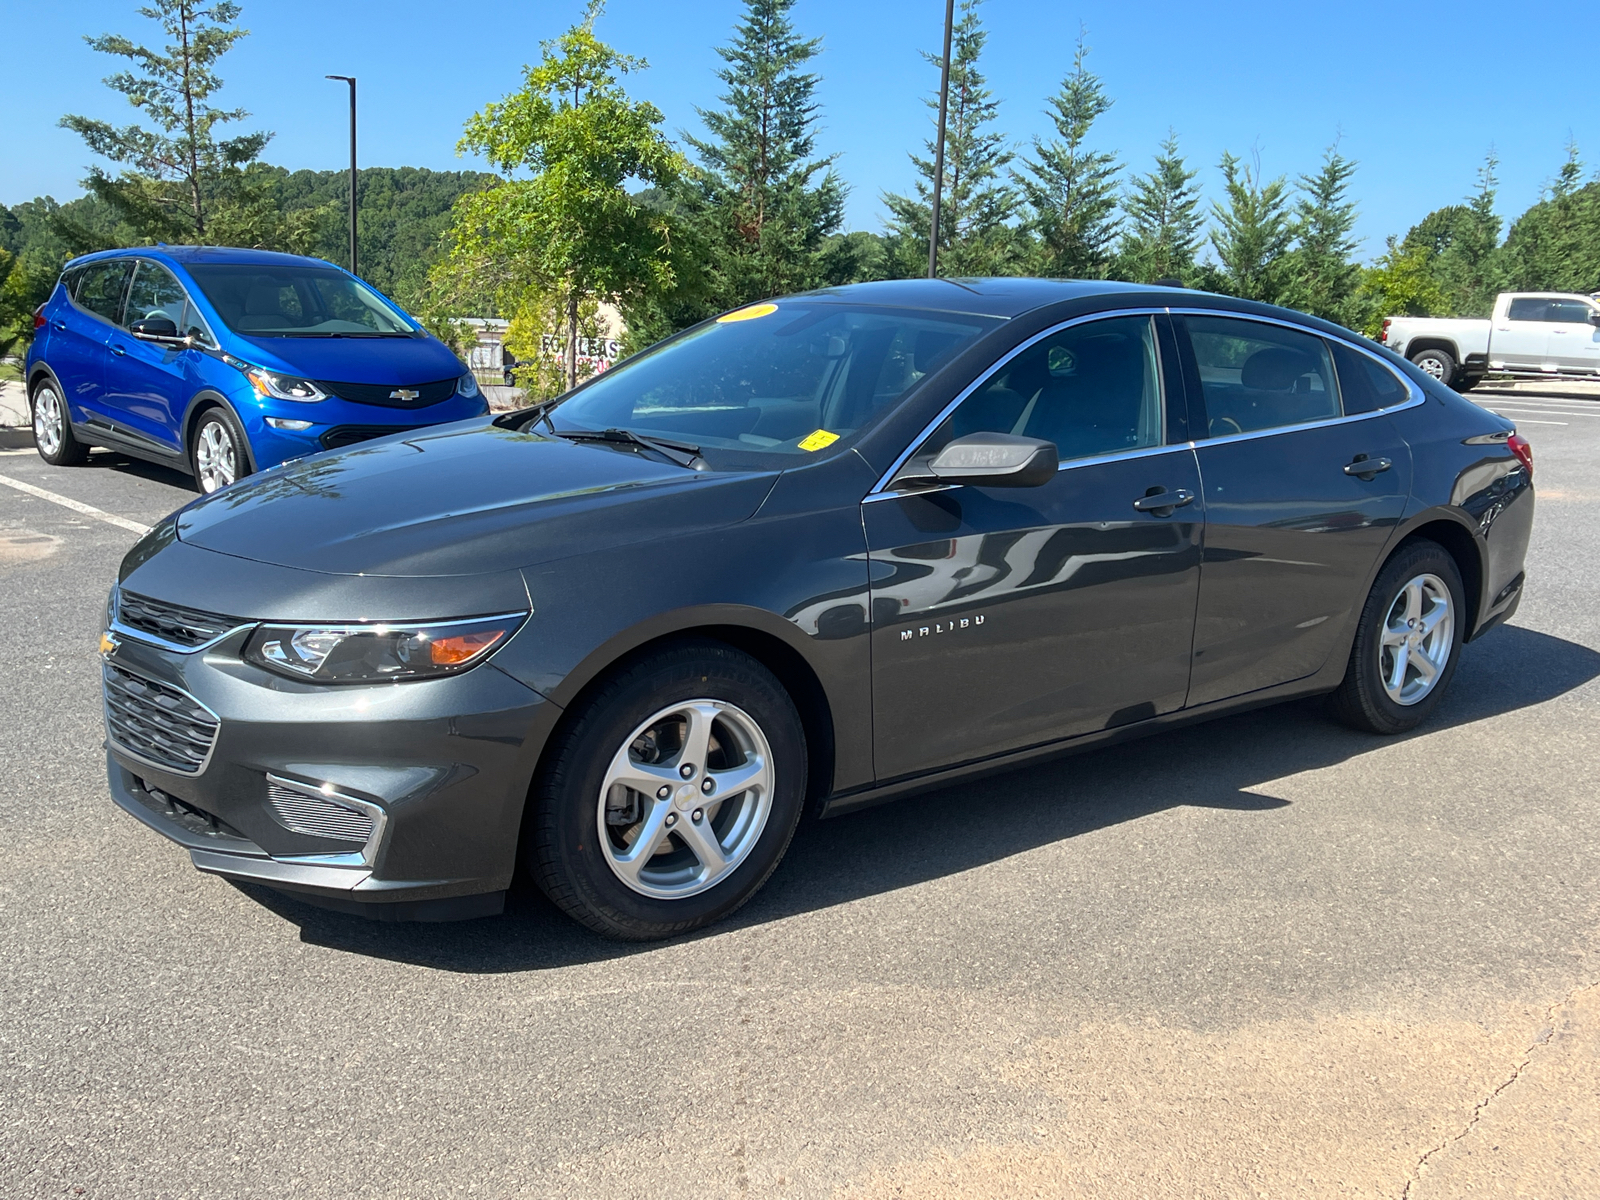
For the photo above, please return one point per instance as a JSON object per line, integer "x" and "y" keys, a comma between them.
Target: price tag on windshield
{"x": 817, "y": 440}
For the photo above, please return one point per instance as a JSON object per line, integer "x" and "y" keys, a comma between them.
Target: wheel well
{"x": 1418, "y": 345}
{"x": 1459, "y": 545}
{"x": 202, "y": 406}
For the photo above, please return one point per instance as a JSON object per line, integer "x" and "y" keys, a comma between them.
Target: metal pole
{"x": 350, "y": 79}
{"x": 938, "y": 157}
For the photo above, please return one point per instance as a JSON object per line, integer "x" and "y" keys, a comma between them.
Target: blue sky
{"x": 1409, "y": 89}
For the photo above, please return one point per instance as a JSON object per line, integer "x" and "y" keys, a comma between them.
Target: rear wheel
{"x": 671, "y": 796}
{"x": 1407, "y": 643}
{"x": 52, "y": 429}
{"x": 1438, "y": 363}
{"x": 217, "y": 452}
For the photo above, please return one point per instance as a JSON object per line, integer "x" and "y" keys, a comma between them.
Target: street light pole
{"x": 938, "y": 157}
{"x": 351, "y": 80}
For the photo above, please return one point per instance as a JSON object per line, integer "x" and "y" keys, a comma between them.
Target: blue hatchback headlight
{"x": 467, "y": 386}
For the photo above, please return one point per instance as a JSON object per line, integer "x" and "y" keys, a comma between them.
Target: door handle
{"x": 59, "y": 324}
{"x": 1160, "y": 502}
{"x": 1367, "y": 468}
{"x": 118, "y": 350}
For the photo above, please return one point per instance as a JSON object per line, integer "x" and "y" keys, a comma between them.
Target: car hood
{"x": 462, "y": 499}
{"x": 393, "y": 360}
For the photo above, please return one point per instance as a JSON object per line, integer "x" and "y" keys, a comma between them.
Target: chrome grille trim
{"x": 171, "y": 626}
{"x": 157, "y": 723}
{"x": 323, "y": 812}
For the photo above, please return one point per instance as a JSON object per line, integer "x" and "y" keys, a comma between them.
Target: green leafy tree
{"x": 975, "y": 234}
{"x": 1162, "y": 234}
{"x": 764, "y": 213}
{"x": 1461, "y": 245}
{"x": 1324, "y": 278}
{"x": 1071, "y": 190}
{"x": 1252, "y": 233}
{"x": 179, "y": 182}
{"x": 1400, "y": 283}
{"x": 568, "y": 227}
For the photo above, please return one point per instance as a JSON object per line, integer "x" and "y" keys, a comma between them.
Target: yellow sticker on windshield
{"x": 817, "y": 440}
{"x": 748, "y": 314}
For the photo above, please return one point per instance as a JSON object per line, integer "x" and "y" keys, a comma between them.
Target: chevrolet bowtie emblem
{"x": 108, "y": 643}
{"x": 404, "y": 395}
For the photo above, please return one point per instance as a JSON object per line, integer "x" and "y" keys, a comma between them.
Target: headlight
{"x": 467, "y": 386}
{"x": 377, "y": 653}
{"x": 273, "y": 386}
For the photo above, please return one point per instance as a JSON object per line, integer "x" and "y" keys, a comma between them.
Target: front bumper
{"x": 442, "y": 765}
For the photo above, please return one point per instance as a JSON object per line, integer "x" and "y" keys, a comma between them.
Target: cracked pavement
{"x": 1261, "y": 957}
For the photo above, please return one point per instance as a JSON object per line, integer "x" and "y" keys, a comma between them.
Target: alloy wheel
{"x": 216, "y": 459}
{"x": 1432, "y": 366}
{"x": 47, "y": 421}
{"x": 685, "y": 799}
{"x": 1418, "y": 636}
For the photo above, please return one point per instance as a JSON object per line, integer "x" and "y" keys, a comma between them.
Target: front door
{"x": 1574, "y": 344}
{"x": 1009, "y": 617}
{"x": 1294, "y": 523}
{"x": 146, "y": 386}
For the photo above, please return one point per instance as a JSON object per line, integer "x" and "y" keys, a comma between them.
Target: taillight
{"x": 1383, "y": 334}
{"x": 38, "y": 317}
{"x": 1519, "y": 446}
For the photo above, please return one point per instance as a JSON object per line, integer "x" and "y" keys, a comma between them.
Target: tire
{"x": 52, "y": 428}
{"x": 581, "y": 843}
{"x": 1411, "y": 588}
{"x": 1438, "y": 363}
{"x": 1465, "y": 383}
{"x": 218, "y": 452}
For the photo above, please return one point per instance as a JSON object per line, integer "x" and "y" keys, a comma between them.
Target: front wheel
{"x": 217, "y": 455}
{"x": 1438, "y": 363}
{"x": 52, "y": 429}
{"x": 671, "y": 795}
{"x": 1407, "y": 643}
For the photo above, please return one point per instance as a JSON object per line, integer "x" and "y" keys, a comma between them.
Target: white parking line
{"x": 1547, "y": 412}
{"x": 87, "y": 510}
{"x": 1530, "y": 420}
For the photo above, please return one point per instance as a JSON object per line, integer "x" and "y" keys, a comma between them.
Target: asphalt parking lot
{"x": 1265, "y": 956}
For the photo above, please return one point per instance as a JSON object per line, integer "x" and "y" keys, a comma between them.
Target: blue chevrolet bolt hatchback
{"x": 221, "y": 362}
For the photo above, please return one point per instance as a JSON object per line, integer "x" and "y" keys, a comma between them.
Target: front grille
{"x": 318, "y": 816}
{"x": 348, "y": 435}
{"x": 157, "y": 722}
{"x": 383, "y": 393}
{"x": 172, "y": 622}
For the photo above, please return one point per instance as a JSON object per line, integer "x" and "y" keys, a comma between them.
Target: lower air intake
{"x": 316, "y": 815}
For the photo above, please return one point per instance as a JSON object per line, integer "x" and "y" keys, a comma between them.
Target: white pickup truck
{"x": 1531, "y": 333}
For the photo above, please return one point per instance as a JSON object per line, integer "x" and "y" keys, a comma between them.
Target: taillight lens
{"x": 1383, "y": 334}
{"x": 1519, "y": 446}
{"x": 38, "y": 317}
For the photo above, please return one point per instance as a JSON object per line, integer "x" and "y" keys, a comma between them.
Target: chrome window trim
{"x": 368, "y": 853}
{"x": 1417, "y": 395}
{"x": 880, "y": 487}
{"x": 105, "y": 710}
{"x": 151, "y": 639}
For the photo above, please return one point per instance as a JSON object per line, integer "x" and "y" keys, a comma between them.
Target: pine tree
{"x": 1252, "y": 234}
{"x": 179, "y": 182}
{"x": 1324, "y": 278}
{"x": 763, "y": 213}
{"x": 1555, "y": 245}
{"x": 1071, "y": 191}
{"x": 1163, "y": 221}
{"x": 978, "y": 204}
{"x": 1462, "y": 247}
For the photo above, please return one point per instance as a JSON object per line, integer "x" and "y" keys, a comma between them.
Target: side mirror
{"x": 996, "y": 460}
{"x": 155, "y": 329}
{"x": 1594, "y": 317}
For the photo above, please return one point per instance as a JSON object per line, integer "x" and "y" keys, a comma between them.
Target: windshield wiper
{"x": 524, "y": 418}
{"x": 681, "y": 453}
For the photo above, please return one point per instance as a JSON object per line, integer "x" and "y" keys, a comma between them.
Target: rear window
{"x": 1366, "y": 385}
{"x": 792, "y": 377}
{"x": 100, "y": 289}
{"x": 1528, "y": 308}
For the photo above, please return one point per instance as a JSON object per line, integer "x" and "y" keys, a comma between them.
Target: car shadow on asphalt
{"x": 113, "y": 460}
{"x": 1219, "y": 764}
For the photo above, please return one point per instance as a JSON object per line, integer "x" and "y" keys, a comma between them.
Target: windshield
{"x": 296, "y": 301}
{"x": 787, "y": 378}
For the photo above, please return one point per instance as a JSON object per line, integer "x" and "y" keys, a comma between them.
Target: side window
{"x": 1366, "y": 385}
{"x": 1569, "y": 312}
{"x": 155, "y": 293}
{"x": 1528, "y": 308}
{"x": 1091, "y": 389}
{"x": 70, "y": 280}
{"x": 100, "y": 290}
{"x": 1257, "y": 376}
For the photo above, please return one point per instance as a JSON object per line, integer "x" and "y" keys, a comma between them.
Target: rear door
{"x": 1574, "y": 345}
{"x": 1009, "y": 617}
{"x": 1294, "y": 524}
{"x": 78, "y": 347}
{"x": 1520, "y": 340}
{"x": 146, "y": 385}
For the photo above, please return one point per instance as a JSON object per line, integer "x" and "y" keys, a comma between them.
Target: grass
{"x": 10, "y": 371}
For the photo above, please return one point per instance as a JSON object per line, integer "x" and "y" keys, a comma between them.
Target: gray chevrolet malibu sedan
{"x": 814, "y": 554}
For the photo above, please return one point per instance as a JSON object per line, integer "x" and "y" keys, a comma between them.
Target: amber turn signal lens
{"x": 451, "y": 651}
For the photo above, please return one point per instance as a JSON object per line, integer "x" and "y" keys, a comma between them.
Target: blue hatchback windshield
{"x": 295, "y": 301}
{"x": 791, "y": 377}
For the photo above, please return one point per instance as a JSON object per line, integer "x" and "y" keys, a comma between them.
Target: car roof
{"x": 206, "y": 254}
{"x": 1004, "y": 296}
